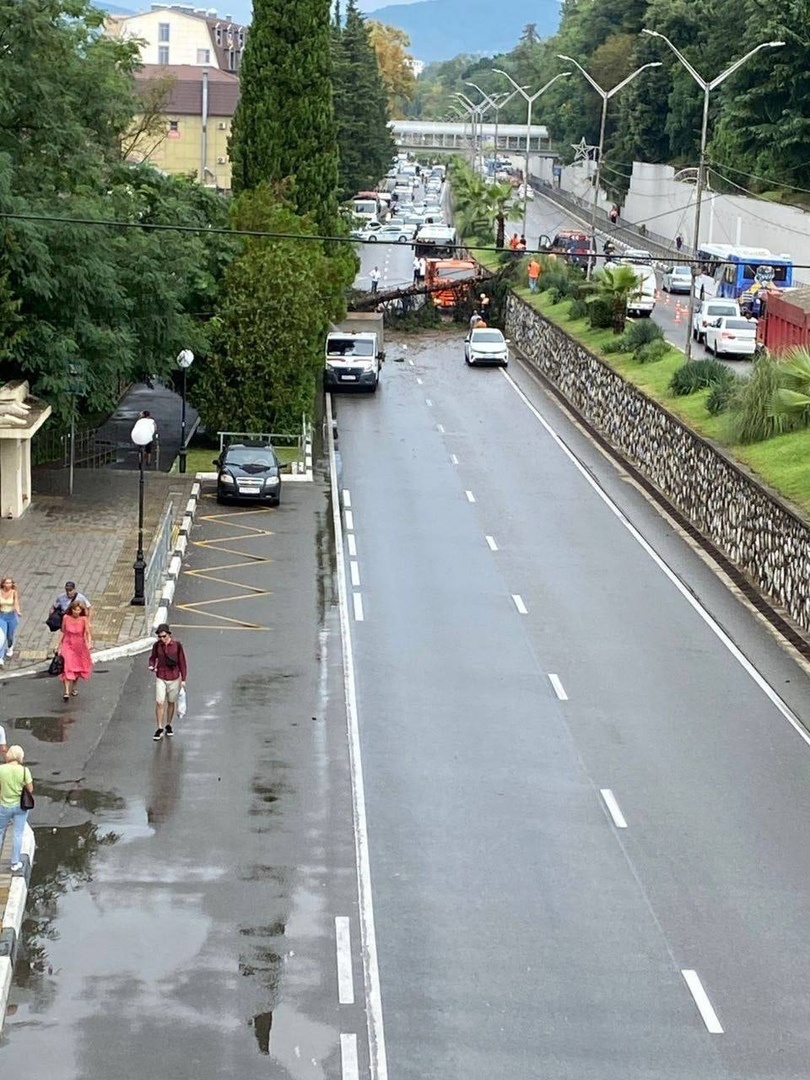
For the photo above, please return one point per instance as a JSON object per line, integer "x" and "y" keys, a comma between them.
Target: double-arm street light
{"x": 707, "y": 88}
{"x": 530, "y": 100}
{"x": 605, "y": 95}
{"x": 471, "y": 111}
{"x": 478, "y": 112}
{"x": 495, "y": 101}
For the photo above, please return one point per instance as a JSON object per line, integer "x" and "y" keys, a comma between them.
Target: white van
{"x": 642, "y": 302}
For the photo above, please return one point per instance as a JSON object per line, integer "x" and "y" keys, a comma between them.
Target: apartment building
{"x": 179, "y": 35}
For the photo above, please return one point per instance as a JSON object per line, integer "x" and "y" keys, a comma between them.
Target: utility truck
{"x": 355, "y": 352}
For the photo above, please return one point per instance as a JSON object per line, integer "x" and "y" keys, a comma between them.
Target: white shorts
{"x": 167, "y": 690}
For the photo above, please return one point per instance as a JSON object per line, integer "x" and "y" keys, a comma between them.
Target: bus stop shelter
{"x": 21, "y": 416}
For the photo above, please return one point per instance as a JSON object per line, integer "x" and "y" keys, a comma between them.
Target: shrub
{"x": 697, "y": 375}
{"x": 654, "y": 350}
{"x": 578, "y": 309}
{"x": 722, "y": 393}
{"x": 556, "y": 294}
{"x": 751, "y": 403}
{"x": 641, "y": 332}
{"x": 600, "y": 313}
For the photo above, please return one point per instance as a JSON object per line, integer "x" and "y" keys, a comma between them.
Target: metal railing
{"x": 294, "y": 443}
{"x": 53, "y": 448}
{"x": 159, "y": 558}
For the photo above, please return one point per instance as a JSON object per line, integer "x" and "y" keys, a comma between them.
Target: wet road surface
{"x": 588, "y": 841}
{"x": 184, "y": 898}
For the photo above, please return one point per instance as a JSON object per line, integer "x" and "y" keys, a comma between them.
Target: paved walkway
{"x": 92, "y": 537}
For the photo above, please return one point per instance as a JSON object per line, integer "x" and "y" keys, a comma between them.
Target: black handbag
{"x": 57, "y": 665}
{"x": 26, "y": 800}
{"x": 54, "y": 621}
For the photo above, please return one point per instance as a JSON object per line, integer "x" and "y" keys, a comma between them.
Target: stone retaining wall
{"x": 768, "y": 541}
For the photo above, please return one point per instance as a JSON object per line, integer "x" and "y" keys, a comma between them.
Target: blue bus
{"x": 726, "y": 270}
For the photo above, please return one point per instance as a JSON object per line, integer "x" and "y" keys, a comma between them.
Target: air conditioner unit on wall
{"x": 222, "y": 161}
{"x": 222, "y": 125}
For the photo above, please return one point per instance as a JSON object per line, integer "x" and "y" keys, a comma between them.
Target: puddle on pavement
{"x": 74, "y": 794}
{"x": 50, "y": 729}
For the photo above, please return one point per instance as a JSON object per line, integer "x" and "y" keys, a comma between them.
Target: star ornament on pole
{"x": 583, "y": 151}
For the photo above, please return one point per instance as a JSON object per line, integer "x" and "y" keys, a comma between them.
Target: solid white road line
{"x": 429, "y": 403}
{"x": 350, "y": 1069}
{"x": 352, "y": 544}
{"x": 440, "y": 428}
{"x": 613, "y": 808}
{"x": 378, "y": 1061}
{"x": 343, "y": 948}
{"x": 559, "y": 689}
{"x": 357, "y": 601}
{"x": 522, "y": 609}
{"x": 354, "y": 571}
{"x": 347, "y": 498}
{"x": 491, "y": 542}
{"x": 714, "y": 626}
{"x": 702, "y": 1001}
{"x": 410, "y": 361}
{"x": 470, "y": 496}
{"x": 453, "y": 459}
{"x": 418, "y": 381}
{"x": 349, "y": 516}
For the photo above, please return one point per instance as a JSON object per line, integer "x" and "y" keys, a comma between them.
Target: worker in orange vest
{"x": 534, "y": 272}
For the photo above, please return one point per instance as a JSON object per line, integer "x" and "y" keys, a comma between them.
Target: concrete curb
{"x": 12, "y": 919}
{"x": 133, "y": 648}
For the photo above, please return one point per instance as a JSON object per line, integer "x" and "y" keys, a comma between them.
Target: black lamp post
{"x": 184, "y": 362}
{"x": 143, "y": 433}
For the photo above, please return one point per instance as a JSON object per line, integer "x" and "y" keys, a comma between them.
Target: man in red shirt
{"x": 168, "y": 661}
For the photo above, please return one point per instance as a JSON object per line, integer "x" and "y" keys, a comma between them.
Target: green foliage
{"x": 365, "y": 141}
{"x": 638, "y": 334}
{"x": 652, "y": 351}
{"x": 613, "y": 285}
{"x": 478, "y": 205}
{"x": 792, "y": 399}
{"x": 752, "y": 416}
{"x": 697, "y": 375}
{"x": 721, "y": 394}
{"x": 600, "y": 313}
{"x": 272, "y": 319}
{"x": 578, "y": 309}
{"x": 284, "y": 125}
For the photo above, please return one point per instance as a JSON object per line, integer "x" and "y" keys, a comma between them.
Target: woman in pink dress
{"x": 74, "y": 648}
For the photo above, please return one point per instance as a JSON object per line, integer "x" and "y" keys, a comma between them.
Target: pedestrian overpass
{"x": 451, "y": 137}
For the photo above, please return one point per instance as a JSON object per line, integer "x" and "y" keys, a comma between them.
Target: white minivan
{"x": 642, "y": 302}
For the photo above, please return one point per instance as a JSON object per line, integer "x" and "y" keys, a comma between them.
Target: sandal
{"x": 65, "y": 697}
{"x": 74, "y": 693}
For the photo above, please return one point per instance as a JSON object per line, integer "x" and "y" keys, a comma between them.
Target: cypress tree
{"x": 284, "y": 125}
{"x": 361, "y": 107}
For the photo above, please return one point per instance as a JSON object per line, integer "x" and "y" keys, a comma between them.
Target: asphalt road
{"x": 545, "y": 218}
{"x": 532, "y": 676}
{"x": 182, "y": 919}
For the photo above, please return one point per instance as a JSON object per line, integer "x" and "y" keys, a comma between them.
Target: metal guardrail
{"x": 159, "y": 559}
{"x": 53, "y": 448}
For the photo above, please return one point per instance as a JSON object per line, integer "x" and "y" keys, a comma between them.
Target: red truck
{"x": 786, "y": 321}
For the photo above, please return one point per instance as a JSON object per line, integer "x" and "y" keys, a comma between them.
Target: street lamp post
{"x": 605, "y": 95}
{"x": 502, "y": 99}
{"x": 184, "y": 361}
{"x": 707, "y": 88}
{"x": 530, "y": 100}
{"x": 143, "y": 433}
{"x": 478, "y": 111}
{"x": 470, "y": 110}
{"x": 493, "y": 103}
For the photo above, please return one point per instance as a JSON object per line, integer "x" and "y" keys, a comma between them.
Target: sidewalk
{"x": 92, "y": 537}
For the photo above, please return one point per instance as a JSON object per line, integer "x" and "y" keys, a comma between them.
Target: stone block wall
{"x": 759, "y": 533}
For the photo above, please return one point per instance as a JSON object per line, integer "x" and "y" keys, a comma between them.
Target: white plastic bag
{"x": 182, "y": 703}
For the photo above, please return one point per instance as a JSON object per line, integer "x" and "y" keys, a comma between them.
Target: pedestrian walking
{"x": 521, "y": 245}
{"x": 9, "y": 616}
{"x": 422, "y": 268}
{"x": 514, "y": 241}
{"x": 374, "y": 278}
{"x": 74, "y": 647}
{"x": 483, "y": 306}
{"x": 168, "y": 662}
{"x": 679, "y": 242}
{"x": 14, "y": 779}
{"x": 534, "y": 271}
{"x": 417, "y": 273}
{"x": 3, "y": 746}
{"x": 614, "y": 215}
{"x": 149, "y": 449}
{"x": 63, "y": 602}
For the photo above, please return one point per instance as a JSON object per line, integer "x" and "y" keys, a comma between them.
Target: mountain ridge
{"x": 441, "y": 29}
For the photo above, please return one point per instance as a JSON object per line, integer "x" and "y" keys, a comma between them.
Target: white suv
{"x": 710, "y": 310}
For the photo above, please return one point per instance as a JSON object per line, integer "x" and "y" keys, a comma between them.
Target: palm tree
{"x": 792, "y": 398}
{"x": 614, "y": 284}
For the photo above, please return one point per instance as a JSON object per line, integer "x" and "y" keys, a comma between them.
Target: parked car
{"x": 678, "y": 279}
{"x": 486, "y": 346}
{"x": 397, "y": 232}
{"x": 731, "y": 336}
{"x": 637, "y": 257}
{"x": 362, "y": 232}
{"x": 709, "y": 310}
{"x": 248, "y": 474}
{"x": 524, "y": 192}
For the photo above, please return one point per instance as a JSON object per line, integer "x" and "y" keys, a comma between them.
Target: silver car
{"x": 678, "y": 279}
{"x": 486, "y": 346}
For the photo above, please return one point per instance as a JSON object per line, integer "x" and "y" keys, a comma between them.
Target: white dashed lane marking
{"x": 613, "y": 808}
{"x": 559, "y": 689}
{"x": 518, "y": 601}
{"x": 491, "y": 543}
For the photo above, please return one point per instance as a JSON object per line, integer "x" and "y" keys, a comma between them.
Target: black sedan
{"x": 248, "y": 474}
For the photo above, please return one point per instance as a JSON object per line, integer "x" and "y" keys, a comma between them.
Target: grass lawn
{"x": 781, "y": 462}
{"x": 200, "y": 459}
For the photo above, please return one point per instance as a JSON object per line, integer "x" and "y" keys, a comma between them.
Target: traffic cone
{"x": 678, "y": 312}
{"x": 657, "y": 295}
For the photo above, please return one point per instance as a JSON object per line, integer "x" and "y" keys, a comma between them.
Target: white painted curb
{"x": 13, "y": 918}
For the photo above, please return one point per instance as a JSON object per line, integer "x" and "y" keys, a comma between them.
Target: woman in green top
{"x": 14, "y": 776}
